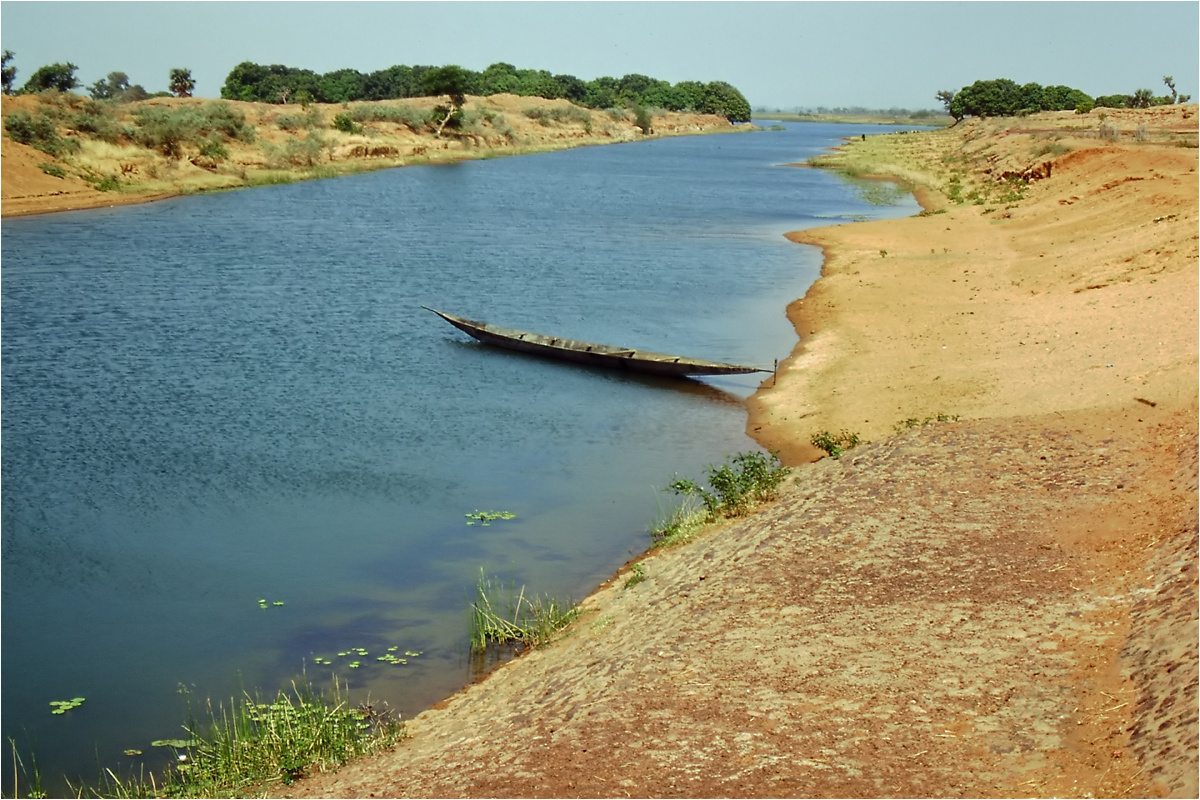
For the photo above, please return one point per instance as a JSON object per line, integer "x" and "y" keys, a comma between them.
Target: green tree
{"x": 452, "y": 81}
{"x": 499, "y": 78}
{"x": 1142, "y": 98}
{"x": 9, "y": 73}
{"x": 721, "y": 98}
{"x": 1114, "y": 101}
{"x": 571, "y": 88}
{"x": 272, "y": 84}
{"x": 1063, "y": 98}
{"x": 1029, "y": 98}
{"x": 60, "y": 77}
{"x": 690, "y": 94}
{"x": 601, "y": 93}
{"x": 116, "y": 87}
{"x": 341, "y": 86}
{"x": 631, "y": 88}
{"x": 181, "y": 83}
{"x": 390, "y": 84}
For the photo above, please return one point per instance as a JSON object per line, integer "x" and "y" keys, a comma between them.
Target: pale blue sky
{"x": 780, "y": 54}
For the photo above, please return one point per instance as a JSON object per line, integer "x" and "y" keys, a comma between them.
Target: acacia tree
{"x": 452, "y": 81}
{"x": 181, "y": 83}
{"x": 946, "y": 98}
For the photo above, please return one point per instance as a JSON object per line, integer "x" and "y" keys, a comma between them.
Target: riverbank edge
{"x": 87, "y": 198}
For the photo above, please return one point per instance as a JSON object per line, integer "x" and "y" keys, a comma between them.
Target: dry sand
{"x": 1003, "y": 605}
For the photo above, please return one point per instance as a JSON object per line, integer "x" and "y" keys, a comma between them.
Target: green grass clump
{"x": 750, "y": 478}
{"x": 835, "y": 443}
{"x": 255, "y": 744}
{"x": 523, "y": 620}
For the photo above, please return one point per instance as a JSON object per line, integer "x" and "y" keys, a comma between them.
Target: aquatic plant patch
{"x": 63, "y": 706}
{"x": 486, "y": 518}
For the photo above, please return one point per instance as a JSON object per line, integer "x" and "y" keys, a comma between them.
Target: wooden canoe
{"x": 596, "y": 355}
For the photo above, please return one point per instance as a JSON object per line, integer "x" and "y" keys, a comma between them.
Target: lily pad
{"x": 178, "y": 744}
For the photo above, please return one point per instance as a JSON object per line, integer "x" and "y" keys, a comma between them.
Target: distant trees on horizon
{"x": 277, "y": 83}
{"x": 115, "y": 87}
{"x": 1005, "y": 98}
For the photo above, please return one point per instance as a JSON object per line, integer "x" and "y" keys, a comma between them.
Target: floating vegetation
{"x": 485, "y": 518}
{"x": 63, "y": 706}
{"x": 389, "y": 657}
{"x": 133, "y": 751}
{"x": 262, "y": 603}
{"x": 178, "y": 744}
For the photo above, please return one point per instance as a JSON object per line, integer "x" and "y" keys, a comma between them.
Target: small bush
{"x": 346, "y": 124}
{"x": 213, "y": 147}
{"x": 561, "y": 115}
{"x": 751, "y": 478}
{"x": 171, "y": 130}
{"x": 835, "y": 443}
{"x": 40, "y": 132}
{"x": 99, "y": 120}
{"x": 642, "y": 118}
{"x": 53, "y": 170}
{"x": 299, "y": 122}
{"x": 305, "y": 152}
{"x": 414, "y": 119}
{"x": 1084, "y": 107}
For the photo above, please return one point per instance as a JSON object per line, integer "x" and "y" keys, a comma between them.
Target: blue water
{"x": 213, "y": 400}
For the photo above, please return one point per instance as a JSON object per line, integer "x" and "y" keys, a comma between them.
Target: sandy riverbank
{"x": 289, "y": 143}
{"x": 1004, "y": 605}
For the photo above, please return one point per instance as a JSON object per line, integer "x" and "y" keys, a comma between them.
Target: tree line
{"x": 277, "y": 83}
{"x": 116, "y": 86}
{"x": 1005, "y": 98}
